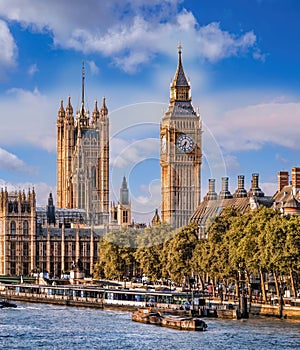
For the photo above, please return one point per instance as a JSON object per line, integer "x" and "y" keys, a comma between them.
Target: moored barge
{"x": 149, "y": 316}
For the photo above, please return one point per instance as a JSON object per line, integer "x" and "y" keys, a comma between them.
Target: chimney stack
{"x": 211, "y": 194}
{"x": 224, "y": 194}
{"x": 255, "y": 190}
{"x": 240, "y": 192}
{"x": 296, "y": 178}
{"x": 283, "y": 179}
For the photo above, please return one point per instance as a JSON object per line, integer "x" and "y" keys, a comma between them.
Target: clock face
{"x": 185, "y": 143}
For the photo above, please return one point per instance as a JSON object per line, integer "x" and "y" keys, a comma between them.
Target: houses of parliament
{"x": 55, "y": 238}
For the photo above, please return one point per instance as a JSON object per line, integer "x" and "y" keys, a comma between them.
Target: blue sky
{"x": 242, "y": 58}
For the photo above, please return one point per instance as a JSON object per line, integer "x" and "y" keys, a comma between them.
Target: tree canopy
{"x": 257, "y": 242}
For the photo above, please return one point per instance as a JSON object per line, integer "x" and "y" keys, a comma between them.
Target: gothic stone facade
{"x": 83, "y": 161}
{"x": 36, "y": 239}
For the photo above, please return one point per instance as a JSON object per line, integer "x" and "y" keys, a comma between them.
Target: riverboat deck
{"x": 166, "y": 301}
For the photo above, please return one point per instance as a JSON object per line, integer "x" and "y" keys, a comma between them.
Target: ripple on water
{"x": 39, "y": 326}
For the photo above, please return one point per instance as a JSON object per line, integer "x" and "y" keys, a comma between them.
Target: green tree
{"x": 291, "y": 252}
{"x": 149, "y": 245}
{"x": 116, "y": 259}
{"x": 258, "y": 242}
{"x": 177, "y": 253}
{"x": 211, "y": 256}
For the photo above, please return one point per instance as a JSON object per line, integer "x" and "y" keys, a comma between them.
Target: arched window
{"x": 80, "y": 160}
{"x": 125, "y": 217}
{"x": 25, "y": 228}
{"x": 13, "y": 228}
{"x": 94, "y": 177}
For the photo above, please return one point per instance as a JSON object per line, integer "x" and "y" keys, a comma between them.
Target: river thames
{"x": 44, "y": 326}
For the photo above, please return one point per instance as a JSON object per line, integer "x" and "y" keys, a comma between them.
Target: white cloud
{"x": 41, "y": 189}
{"x": 8, "y": 47}
{"x": 215, "y": 44}
{"x": 130, "y": 62}
{"x": 149, "y": 199}
{"x": 127, "y": 153}
{"x": 259, "y": 56}
{"x": 254, "y": 126}
{"x": 269, "y": 188}
{"x": 137, "y": 118}
{"x": 130, "y": 32}
{"x": 93, "y": 67}
{"x": 29, "y": 118}
{"x": 10, "y": 162}
{"x": 33, "y": 69}
{"x": 232, "y": 164}
{"x": 281, "y": 159}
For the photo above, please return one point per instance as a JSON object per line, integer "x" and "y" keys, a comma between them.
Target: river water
{"x": 44, "y": 326}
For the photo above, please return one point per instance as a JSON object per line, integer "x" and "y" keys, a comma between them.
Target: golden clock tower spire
{"x": 180, "y": 87}
{"x": 181, "y": 154}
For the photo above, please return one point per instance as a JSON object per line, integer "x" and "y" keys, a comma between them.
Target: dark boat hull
{"x": 145, "y": 315}
{"x": 5, "y": 303}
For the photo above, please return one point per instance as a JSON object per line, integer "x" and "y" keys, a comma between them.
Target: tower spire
{"x": 95, "y": 113}
{"x": 180, "y": 87}
{"x": 82, "y": 89}
{"x": 83, "y": 76}
{"x": 179, "y": 53}
{"x": 124, "y": 194}
{"x": 83, "y": 114}
{"x": 180, "y": 78}
{"x": 61, "y": 111}
{"x": 104, "y": 110}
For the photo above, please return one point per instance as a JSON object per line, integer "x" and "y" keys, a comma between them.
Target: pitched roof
{"x": 287, "y": 198}
{"x": 211, "y": 208}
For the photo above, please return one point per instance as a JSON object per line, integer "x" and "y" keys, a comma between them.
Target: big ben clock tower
{"x": 180, "y": 154}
